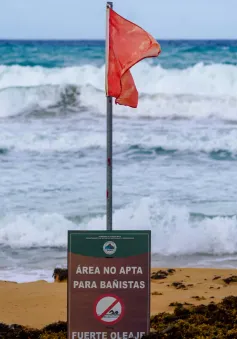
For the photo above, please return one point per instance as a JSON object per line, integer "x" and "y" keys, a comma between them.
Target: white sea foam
{"x": 21, "y": 275}
{"x": 196, "y": 92}
{"x": 173, "y": 231}
{"x": 185, "y": 137}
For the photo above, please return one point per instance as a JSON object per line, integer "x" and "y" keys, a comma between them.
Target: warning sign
{"x": 109, "y": 309}
{"x": 108, "y": 284}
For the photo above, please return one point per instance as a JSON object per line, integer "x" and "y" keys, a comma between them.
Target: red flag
{"x": 127, "y": 45}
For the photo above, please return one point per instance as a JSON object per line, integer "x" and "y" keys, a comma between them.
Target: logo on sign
{"x": 109, "y": 247}
{"x": 109, "y": 309}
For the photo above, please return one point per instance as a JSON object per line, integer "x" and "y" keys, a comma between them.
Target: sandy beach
{"x": 40, "y": 303}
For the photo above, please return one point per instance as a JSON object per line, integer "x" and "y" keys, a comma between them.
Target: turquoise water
{"x": 174, "y": 156}
{"x": 175, "y": 54}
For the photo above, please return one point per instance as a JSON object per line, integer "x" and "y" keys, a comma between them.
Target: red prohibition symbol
{"x": 109, "y": 309}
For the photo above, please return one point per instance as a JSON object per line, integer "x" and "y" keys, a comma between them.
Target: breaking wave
{"x": 175, "y": 230}
{"x": 196, "y": 92}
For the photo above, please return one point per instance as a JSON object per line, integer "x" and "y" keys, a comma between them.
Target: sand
{"x": 40, "y": 303}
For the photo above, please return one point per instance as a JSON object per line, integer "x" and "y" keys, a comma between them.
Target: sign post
{"x": 109, "y": 105}
{"x": 108, "y": 284}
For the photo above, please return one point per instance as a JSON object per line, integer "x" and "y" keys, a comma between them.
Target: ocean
{"x": 174, "y": 164}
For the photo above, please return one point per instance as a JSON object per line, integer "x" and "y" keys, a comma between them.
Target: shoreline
{"x": 37, "y": 304}
{"x": 25, "y": 275}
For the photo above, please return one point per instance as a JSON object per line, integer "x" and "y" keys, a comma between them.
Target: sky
{"x": 85, "y": 19}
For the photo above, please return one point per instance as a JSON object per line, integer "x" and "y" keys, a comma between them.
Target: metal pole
{"x": 109, "y": 221}
{"x": 109, "y": 163}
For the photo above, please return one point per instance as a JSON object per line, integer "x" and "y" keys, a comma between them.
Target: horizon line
{"x": 97, "y": 39}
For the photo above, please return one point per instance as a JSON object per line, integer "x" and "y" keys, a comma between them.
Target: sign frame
{"x": 108, "y": 237}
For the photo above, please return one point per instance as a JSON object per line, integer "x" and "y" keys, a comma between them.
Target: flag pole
{"x": 109, "y": 214}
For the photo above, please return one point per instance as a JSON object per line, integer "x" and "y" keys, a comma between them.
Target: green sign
{"x": 108, "y": 284}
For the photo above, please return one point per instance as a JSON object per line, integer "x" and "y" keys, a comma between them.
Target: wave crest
{"x": 175, "y": 231}
{"x": 196, "y": 92}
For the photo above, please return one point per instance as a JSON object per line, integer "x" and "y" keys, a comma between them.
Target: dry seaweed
{"x": 159, "y": 275}
{"x": 157, "y": 293}
{"x": 179, "y": 285}
{"x": 198, "y": 298}
{"x": 216, "y": 277}
{"x": 14, "y": 331}
{"x": 56, "y": 330}
{"x": 212, "y": 321}
{"x": 162, "y": 274}
{"x": 232, "y": 279}
{"x": 60, "y": 274}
